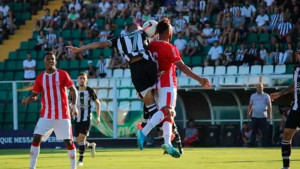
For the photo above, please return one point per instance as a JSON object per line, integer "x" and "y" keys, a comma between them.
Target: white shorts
{"x": 62, "y": 128}
{"x": 167, "y": 96}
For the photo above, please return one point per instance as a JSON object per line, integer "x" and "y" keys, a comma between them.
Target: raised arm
{"x": 94, "y": 45}
{"x": 185, "y": 69}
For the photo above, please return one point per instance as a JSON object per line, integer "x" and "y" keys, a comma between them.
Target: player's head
{"x": 132, "y": 27}
{"x": 50, "y": 61}
{"x": 82, "y": 79}
{"x": 259, "y": 88}
{"x": 164, "y": 29}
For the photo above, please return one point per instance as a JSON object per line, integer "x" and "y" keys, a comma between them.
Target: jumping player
{"x": 168, "y": 57}
{"x": 293, "y": 118}
{"x": 55, "y": 114}
{"x": 82, "y": 123}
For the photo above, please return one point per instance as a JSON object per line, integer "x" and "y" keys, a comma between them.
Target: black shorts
{"x": 293, "y": 119}
{"x": 82, "y": 128}
{"x": 143, "y": 74}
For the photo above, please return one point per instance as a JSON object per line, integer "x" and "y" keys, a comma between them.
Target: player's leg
{"x": 42, "y": 127}
{"x": 63, "y": 131}
{"x": 177, "y": 138}
{"x": 81, "y": 146}
{"x": 254, "y": 127}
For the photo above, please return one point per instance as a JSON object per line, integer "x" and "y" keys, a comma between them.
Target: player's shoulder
{"x": 89, "y": 89}
{"x": 161, "y": 43}
{"x": 63, "y": 72}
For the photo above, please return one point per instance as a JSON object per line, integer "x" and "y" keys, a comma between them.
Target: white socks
{"x": 72, "y": 157}
{"x": 155, "y": 120}
{"x": 167, "y": 132}
{"x": 34, "y": 153}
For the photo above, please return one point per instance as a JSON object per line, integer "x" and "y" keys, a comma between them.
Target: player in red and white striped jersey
{"x": 55, "y": 114}
{"x": 168, "y": 58}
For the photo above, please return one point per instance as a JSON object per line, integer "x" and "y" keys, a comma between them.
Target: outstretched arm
{"x": 276, "y": 95}
{"x": 94, "y": 45}
{"x": 185, "y": 69}
{"x": 31, "y": 98}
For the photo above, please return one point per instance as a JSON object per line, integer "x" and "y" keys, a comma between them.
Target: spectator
{"x": 101, "y": 67}
{"x": 92, "y": 29}
{"x": 45, "y": 21}
{"x": 149, "y": 6}
{"x": 179, "y": 24}
{"x": 239, "y": 26}
{"x": 214, "y": 55}
{"x": 284, "y": 32}
{"x": 227, "y": 20}
{"x": 29, "y": 68}
{"x": 192, "y": 46}
{"x": 276, "y": 53}
{"x": 51, "y": 39}
{"x": 74, "y": 5}
{"x": 105, "y": 34}
{"x": 59, "y": 50}
{"x": 180, "y": 43}
{"x": 191, "y": 4}
{"x": 191, "y": 134}
{"x": 227, "y": 35}
{"x": 91, "y": 69}
{"x": 259, "y": 109}
{"x": 276, "y": 19}
{"x": 117, "y": 62}
{"x": 56, "y": 19}
{"x": 104, "y": 7}
{"x": 208, "y": 34}
{"x": 83, "y": 54}
{"x": 223, "y": 12}
{"x": 193, "y": 24}
{"x": 201, "y": 5}
{"x": 74, "y": 19}
{"x": 252, "y": 55}
{"x": 11, "y": 22}
{"x": 261, "y": 22}
{"x": 203, "y": 19}
{"x": 228, "y": 56}
{"x": 248, "y": 11}
{"x": 297, "y": 59}
{"x": 41, "y": 41}
{"x": 240, "y": 54}
{"x": 4, "y": 8}
{"x": 263, "y": 54}
{"x": 246, "y": 134}
{"x": 295, "y": 18}
{"x": 234, "y": 9}
{"x": 287, "y": 56}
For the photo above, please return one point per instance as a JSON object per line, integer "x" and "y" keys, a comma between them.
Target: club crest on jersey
{"x": 57, "y": 83}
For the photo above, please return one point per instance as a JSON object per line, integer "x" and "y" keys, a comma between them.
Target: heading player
{"x": 55, "y": 114}
{"x": 168, "y": 58}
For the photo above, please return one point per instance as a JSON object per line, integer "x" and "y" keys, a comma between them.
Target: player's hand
{"x": 274, "y": 96}
{"x": 74, "y": 49}
{"x": 98, "y": 120}
{"x": 205, "y": 83}
{"x": 74, "y": 111}
{"x": 26, "y": 101}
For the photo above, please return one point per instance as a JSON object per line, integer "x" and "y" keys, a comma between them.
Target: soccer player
{"x": 133, "y": 47}
{"x": 168, "y": 58}
{"x": 55, "y": 113}
{"x": 293, "y": 118}
{"x": 82, "y": 123}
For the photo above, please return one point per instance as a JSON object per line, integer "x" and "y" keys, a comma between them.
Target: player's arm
{"x": 249, "y": 113}
{"x": 185, "y": 69}
{"x": 276, "y": 95}
{"x": 269, "y": 108}
{"x": 33, "y": 97}
{"x": 98, "y": 109}
{"x": 94, "y": 45}
{"x": 73, "y": 93}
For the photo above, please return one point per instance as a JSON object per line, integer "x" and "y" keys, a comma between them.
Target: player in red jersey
{"x": 168, "y": 58}
{"x": 55, "y": 114}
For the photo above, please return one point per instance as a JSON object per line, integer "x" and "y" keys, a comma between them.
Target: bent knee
{"x": 168, "y": 112}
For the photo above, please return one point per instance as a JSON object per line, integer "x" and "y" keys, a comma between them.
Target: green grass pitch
{"x": 193, "y": 158}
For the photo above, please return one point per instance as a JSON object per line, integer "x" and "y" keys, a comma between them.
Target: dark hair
{"x": 163, "y": 26}
{"x": 48, "y": 53}
{"x": 82, "y": 73}
{"x": 245, "y": 123}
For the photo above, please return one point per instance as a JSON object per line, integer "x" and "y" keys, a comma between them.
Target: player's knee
{"x": 68, "y": 142}
{"x": 36, "y": 140}
{"x": 168, "y": 112}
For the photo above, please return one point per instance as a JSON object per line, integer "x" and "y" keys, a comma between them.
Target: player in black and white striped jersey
{"x": 293, "y": 117}
{"x": 82, "y": 124}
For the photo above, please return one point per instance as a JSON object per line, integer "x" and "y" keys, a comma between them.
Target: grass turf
{"x": 193, "y": 158}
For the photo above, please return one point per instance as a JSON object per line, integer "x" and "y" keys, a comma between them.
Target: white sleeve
{"x": 210, "y": 51}
{"x": 34, "y": 63}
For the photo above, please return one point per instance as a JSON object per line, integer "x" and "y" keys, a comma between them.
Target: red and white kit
{"x": 166, "y": 54}
{"x": 55, "y": 114}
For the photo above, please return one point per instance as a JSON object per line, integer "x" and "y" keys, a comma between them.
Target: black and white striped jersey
{"x": 132, "y": 45}
{"x": 284, "y": 28}
{"x": 296, "y": 80}
{"x": 84, "y": 99}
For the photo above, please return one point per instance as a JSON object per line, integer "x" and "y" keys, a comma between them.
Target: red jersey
{"x": 166, "y": 55}
{"x": 54, "y": 96}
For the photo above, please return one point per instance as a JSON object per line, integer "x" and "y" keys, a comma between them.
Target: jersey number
{"x": 134, "y": 38}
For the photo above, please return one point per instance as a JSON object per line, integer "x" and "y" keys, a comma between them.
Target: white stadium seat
{"x": 255, "y": 69}
{"x": 108, "y": 73}
{"x": 127, "y": 73}
{"x": 220, "y": 70}
{"x": 253, "y": 80}
{"x": 118, "y": 73}
{"x": 107, "y": 62}
{"x": 124, "y": 105}
{"x": 102, "y": 93}
{"x": 110, "y": 106}
{"x": 230, "y": 80}
{"x": 244, "y": 70}
{"x": 103, "y": 106}
{"x": 280, "y": 69}
{"x": 93, "y": 83}
{"x": 124, "y": 93}
{"x": 198, "y": 70}
{"x": 265, "y": 80}
{"x": 126, "y": 83}
{"x": 209, "y": 70}
{"x": 136, "y": 106}
{"x": 232, "y": 70}
{"x": 183, "y": 81}
{"x": 110, "y": 93}
{"x": 193, "y": 82}
{"x": 241, "y": 80}
{"x": 103, "y": 83}
{"x": 133, "y": 94}
{"x": 268, "y": 69}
